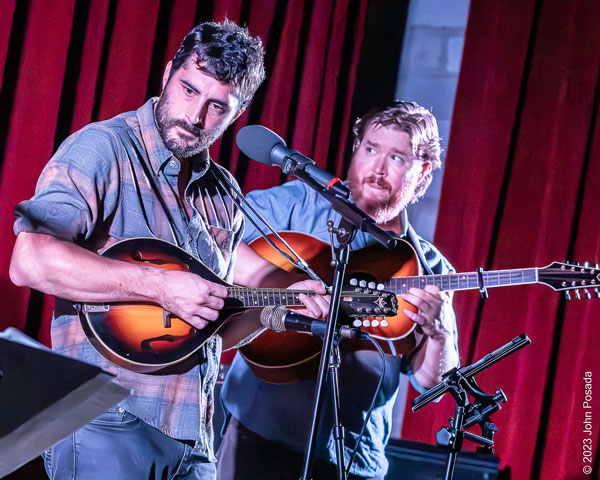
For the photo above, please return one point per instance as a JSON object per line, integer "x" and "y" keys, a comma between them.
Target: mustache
{"x": 196, "y": 131}
{"x": 377, "y": 180}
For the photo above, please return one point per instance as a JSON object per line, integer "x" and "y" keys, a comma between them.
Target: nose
{"x": 197, "y": 114}
{"x": 379, "y": 166}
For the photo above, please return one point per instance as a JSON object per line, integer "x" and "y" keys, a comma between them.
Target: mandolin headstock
{"x": 571, "y": 276}
{"x": 368, "y": 301}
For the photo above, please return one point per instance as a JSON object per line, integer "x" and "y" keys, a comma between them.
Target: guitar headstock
{"x": 368, "y": 301}
{"x": 571, "y": 276}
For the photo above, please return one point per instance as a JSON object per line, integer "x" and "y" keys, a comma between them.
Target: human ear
{"x": 166, "y": 74}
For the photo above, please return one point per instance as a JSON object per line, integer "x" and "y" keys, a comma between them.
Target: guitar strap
{"x": 413, "y": 238}
{"x": 414, "y": 241}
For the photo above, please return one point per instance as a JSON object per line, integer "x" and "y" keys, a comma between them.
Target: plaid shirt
{"x": 114, "y": 180}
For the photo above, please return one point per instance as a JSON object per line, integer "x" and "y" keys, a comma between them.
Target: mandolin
{"x": 288, "y": 356}
{"x": 145, "y": 338}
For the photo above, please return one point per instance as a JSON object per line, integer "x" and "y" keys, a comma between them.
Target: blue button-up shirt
{"x": 282, "y": 413}
{"x": 115, "y": 180}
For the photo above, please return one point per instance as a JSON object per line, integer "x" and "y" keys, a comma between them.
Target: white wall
{"x": 428, "y": 74}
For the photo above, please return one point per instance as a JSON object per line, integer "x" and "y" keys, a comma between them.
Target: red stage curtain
{"x": 521, "y": 185}
{"x": 64, "y": 64}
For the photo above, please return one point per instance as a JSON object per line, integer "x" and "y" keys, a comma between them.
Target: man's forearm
{"x": 63, "y": 269}
{"x": 432, "y": 360}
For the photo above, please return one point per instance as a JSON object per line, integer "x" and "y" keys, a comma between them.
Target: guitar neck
{"x": 266, "y": 297}
{"x": 464, "y": 281}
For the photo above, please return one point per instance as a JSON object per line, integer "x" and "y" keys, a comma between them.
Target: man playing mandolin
{"x": 147, "y": 173}
{"x": 395, "y": 150}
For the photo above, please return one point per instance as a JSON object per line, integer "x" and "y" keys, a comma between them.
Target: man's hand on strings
{"x": 431, "y": 315}
{"x": 317, "y": 306}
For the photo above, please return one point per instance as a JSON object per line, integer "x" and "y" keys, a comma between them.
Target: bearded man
{"x": 395, "y": 150}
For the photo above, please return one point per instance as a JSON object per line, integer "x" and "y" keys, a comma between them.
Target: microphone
{"x": 261, "y": 144}
{"x": 280, "y": 319}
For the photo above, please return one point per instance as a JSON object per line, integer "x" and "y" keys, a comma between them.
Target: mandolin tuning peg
{"x": 357, "y": 323}
{"x": 577, "y": 296}
{"x": 588, "y": 295}
{"x": 596, "y": 293}
{"x": 372, "y": 285}
{"x": 586, "y": 264}
{"x": 380, "y": 286}
{"x": 597, "y": 266}
{"x": 567, "y": 295}
{"x": 362, "y": 283}
{"x": 353, "y": 282}
{"x": 575, "y": 263}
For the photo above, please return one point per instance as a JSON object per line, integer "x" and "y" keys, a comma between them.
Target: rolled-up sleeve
{"x": 78, "y": 188}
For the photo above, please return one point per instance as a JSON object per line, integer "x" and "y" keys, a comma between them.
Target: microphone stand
{"x": 459, "y": 382}
{"x": 330, "y": 358}
{"x": 352, "y": 219}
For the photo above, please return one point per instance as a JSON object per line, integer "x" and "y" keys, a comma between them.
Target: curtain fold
{"x": 520, "y": 190}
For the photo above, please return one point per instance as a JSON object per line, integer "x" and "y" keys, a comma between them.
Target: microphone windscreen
{"x": 257, "y": 142}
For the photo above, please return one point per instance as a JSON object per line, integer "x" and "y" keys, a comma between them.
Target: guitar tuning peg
{"x": 588, "y": 295}
{"x": 596, "y": 293}
{"x": 380, "y": 286}
{"x": 357, "y": 322}
{"x": 567, "y": 295}
{"x": 372, "y": 285}
{"x": 353, "y": 282}
{"x": 375, "y": 323}
{"x": 575, "y": 263}
{"x": 597, "y": 266}
{"x": 577, "y": 296}
{"x": 586, "y": 264}
{"x": 362, "y": 283}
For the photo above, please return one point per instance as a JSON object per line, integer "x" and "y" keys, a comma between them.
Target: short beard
{"x": 180, "y": 148}
{"x": 384, "y": 213}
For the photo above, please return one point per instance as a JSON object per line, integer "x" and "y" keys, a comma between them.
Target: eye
{"x": 188, "y": 91}
{"x": 398, "y": 159}
{"x": 370, "y": 150}
{"x": 218, "y": 107}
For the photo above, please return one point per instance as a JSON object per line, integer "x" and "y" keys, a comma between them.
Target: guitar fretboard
{"x": 265, "y": 297}
{"x": 463, "y": 281}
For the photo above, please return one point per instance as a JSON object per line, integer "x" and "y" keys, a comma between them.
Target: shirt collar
{"x": 158, "y": 153}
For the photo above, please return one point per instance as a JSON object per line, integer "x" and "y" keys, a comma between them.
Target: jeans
{"x": 117, "y": 445}
{"x": 245, "y": 455}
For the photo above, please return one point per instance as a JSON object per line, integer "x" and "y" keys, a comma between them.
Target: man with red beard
{"x": 148, "y": 173}
{"x": 395, "y": 150}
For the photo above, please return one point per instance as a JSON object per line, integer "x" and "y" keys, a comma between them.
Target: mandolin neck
{"x": 266, "y": 297}
{"x": 464, "y": 281}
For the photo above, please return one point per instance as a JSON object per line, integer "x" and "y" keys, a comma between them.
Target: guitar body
{"x": 285, "y": 357}
{"x": 143, "y": 337}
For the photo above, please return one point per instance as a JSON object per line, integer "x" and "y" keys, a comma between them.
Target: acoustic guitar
{"x": 286, "y": 357}
{"x": 144, "y": 337}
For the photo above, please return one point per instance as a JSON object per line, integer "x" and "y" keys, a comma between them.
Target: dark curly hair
{"x": 418, "y": 122}
{"x": 228, "y": 53}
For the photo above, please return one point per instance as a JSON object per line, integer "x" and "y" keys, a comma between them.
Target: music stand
{"x": 44, "y": 397}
